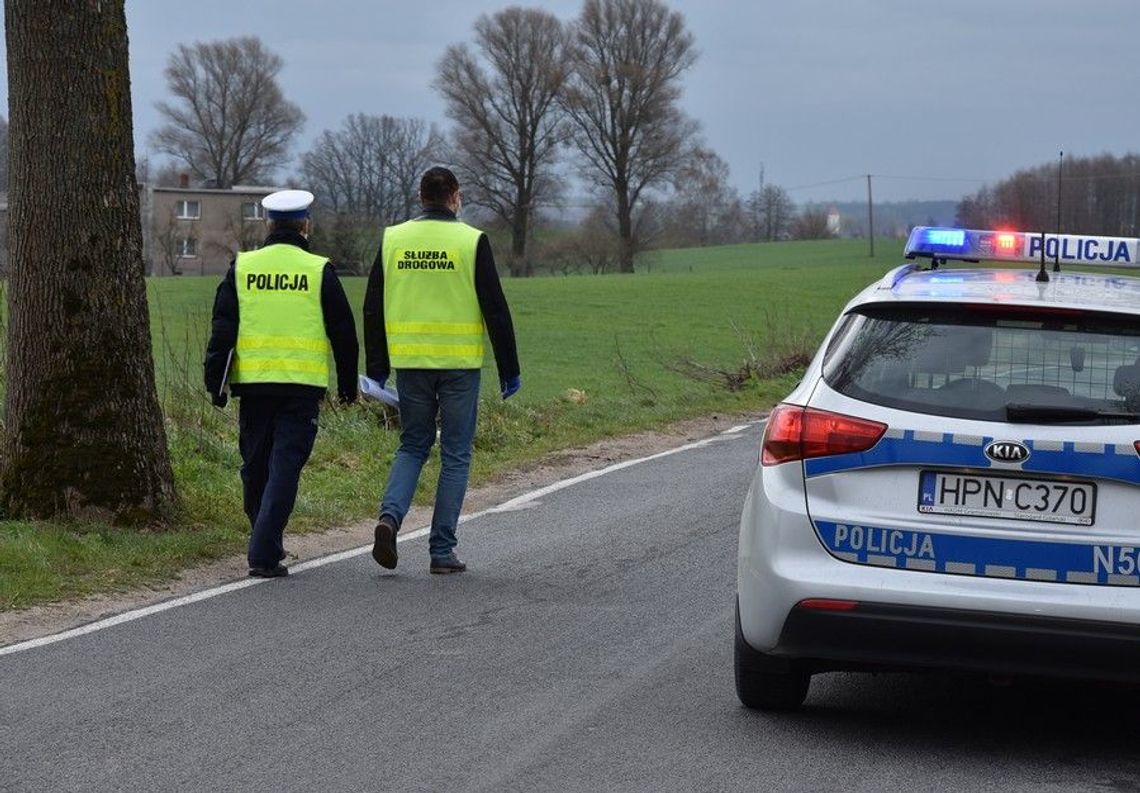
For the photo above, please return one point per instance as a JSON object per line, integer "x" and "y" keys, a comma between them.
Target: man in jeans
{"x": 432, "y": 289}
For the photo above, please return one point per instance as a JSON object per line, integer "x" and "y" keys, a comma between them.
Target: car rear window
{"x": 977, "y": 362}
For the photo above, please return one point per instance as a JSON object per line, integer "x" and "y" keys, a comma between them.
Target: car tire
{"x": 763, "y": 682}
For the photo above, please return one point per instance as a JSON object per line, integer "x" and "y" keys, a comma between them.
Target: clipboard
{"x": 226, "y": 374}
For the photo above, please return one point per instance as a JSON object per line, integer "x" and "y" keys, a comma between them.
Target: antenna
{"x": 1057, "y": 255}
{"x": 1042, "y": 276}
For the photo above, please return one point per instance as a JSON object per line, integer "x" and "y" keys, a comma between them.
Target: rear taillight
{"x": 1137, "y": 445}
{"x": 798, "y": 433}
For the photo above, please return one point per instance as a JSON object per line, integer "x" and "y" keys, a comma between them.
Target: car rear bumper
{"x": 892, "y": 636}
{"x": 948, "y": 621}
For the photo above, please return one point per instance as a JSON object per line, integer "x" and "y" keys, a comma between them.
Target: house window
{"x": 187, "y": 248}
{"x": 252, "y": 210}
{"x": 188, "y": 210}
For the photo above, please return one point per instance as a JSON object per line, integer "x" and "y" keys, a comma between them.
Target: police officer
{"x": 431, "y": 291}
{"x": 276, "y": 315}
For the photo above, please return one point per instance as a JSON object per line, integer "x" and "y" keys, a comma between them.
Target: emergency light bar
{"x": 1021, "y": 246}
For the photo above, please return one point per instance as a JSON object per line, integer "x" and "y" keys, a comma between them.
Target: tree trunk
{"x": 625, "y": 231}
{"x": 517, "y": 263}
{"x": 83, "y": 434}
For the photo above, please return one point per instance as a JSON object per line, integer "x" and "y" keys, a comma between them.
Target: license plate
{"x": 1012, "y": 497}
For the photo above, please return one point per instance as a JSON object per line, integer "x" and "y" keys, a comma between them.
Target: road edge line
{"x": 340, "y": 556}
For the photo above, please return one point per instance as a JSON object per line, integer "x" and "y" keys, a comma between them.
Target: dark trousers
{"x": 276, "y": 438}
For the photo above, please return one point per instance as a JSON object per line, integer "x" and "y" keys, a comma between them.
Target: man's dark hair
{"x": 438, "y": 185}
{"x": 296, "y": 225}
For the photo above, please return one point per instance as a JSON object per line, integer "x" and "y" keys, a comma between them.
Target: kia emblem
{"x": 1007, "y": 452}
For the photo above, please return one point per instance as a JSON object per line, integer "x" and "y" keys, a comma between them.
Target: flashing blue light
{"x": 951, "y": 238}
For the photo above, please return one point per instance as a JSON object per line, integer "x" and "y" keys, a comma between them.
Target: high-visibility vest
{"x": 431, "y": 312}
{"x": 281, "y": 327}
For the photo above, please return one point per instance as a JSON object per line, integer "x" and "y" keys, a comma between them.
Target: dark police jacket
{"x": 339, "y": 325}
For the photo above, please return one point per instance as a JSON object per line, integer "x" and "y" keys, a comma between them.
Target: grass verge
{"x": 707, "y": 331}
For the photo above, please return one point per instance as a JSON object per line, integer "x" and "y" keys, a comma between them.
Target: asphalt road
{"x": 589, "y": 648}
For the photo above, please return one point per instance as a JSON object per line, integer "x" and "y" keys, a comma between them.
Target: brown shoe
{"x": 384, "y": 544}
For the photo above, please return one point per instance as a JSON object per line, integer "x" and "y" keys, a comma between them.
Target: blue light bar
{"x": 949, "y": 238}
{"x": 1022, "y": 246}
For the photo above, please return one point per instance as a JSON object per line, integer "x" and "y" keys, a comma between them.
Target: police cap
{"x": 288, "y": 204}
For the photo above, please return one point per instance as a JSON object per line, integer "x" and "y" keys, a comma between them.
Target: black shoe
{"x": 447, "y": 564}
{"x": 276, "y": 571}
{"x": 384, "y": 545}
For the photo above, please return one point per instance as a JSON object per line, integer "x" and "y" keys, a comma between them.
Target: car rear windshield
{"x": 1005, "y": 363}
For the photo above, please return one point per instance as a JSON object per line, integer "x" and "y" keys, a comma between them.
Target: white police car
{"x": 955, "y": 483}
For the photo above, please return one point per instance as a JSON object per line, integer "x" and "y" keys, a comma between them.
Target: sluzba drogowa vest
{"x": 431, "y": 312}
{"x": 281, "y": 327}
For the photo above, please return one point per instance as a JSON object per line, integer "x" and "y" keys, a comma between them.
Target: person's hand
{"x": 510, "y": 385}
{"x": 219, "y": 400}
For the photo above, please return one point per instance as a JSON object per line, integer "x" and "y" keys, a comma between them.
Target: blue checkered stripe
{"x": 1118, "y": 462}
{"x": 1080, "y": 563}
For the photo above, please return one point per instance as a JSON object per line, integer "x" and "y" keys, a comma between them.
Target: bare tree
{"x": 700, "y": 210}
{"x": 1098, "y": 195}
{"x": 370, "y": 168}
{"x": 773, "y": 211}
{"x": 413, "y": 145}
{"x": 811, "y": 225}
{"x": 229, "y": 122}
{"x": 502, "y": 97}
{"x": 627, "y": 57}
{"x": 83, "y": 433}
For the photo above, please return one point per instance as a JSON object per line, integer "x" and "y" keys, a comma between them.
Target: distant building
{"x": 834, "y": 221}
{"x": 196, "y": 230}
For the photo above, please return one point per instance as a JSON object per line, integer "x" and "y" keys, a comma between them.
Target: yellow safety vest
{"x": 431, "y": 313}
{"x": 281, "y": 327}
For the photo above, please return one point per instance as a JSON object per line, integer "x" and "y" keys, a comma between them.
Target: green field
{"x": 600, "y": 356}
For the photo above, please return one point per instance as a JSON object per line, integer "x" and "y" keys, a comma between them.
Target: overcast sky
{"x": 934, "y": 98}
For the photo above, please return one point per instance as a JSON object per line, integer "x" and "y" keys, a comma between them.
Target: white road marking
{"x": 520, "y": 502}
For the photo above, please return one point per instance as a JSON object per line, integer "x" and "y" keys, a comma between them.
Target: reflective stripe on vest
{"x": 431, "y": 313}
{"x": 281, "y": 327}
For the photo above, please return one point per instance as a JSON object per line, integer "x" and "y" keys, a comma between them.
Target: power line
{"x": 825, "y": 184}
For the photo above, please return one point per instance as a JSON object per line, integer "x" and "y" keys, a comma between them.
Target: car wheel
{"x": 761, "y": 683}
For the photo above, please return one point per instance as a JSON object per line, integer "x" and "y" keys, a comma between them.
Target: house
{"x": 196, "y": 230}
{"x": 834, "y": 221}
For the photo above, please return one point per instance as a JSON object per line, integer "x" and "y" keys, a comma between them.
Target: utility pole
{"x": 762, "y": 233}
{"x": 870, "y": 218}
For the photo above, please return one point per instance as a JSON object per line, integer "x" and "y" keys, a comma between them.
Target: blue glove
{"x": 510, "y": 385}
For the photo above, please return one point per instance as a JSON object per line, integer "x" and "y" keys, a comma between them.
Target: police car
{"x": 955, "y": 483}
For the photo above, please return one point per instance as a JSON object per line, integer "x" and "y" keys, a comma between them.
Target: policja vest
{"x": 431, "y": 312}
{"x": 281, "y": 326}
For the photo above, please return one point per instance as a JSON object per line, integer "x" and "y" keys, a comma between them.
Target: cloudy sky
{"x": 933, "y": 98}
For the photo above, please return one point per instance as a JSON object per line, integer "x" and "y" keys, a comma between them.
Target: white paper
{"x": 372, "y": 390}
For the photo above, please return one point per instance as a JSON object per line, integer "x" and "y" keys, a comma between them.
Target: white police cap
{"x": 288, "y": 204}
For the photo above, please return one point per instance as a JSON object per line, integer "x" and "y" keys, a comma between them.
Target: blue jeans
{"x": 276, "y": 437}
{"x": 452, "y": 395}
